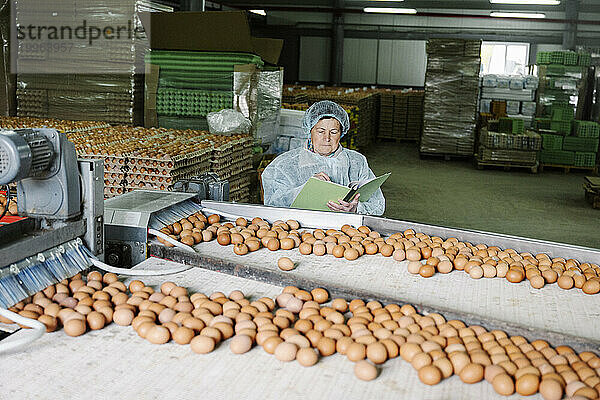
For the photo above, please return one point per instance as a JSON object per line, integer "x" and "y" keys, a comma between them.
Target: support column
{"x": 570, "y": 33}
{"x": 337, "y": 44}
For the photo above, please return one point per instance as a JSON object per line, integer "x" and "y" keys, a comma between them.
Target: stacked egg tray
{"x": 60, "y": 125}
{"x": 520, "y": 157}
{"x": 451, "y": 97}
{"x": 191, "y": 103}
{"x": 527, "y": 141}
{"x": 156, "y": 158}
{"x": 400, "y": 114}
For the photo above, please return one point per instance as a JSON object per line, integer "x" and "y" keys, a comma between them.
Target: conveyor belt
{"x": 553, "y": 314}
{"x": 114, "y": 363}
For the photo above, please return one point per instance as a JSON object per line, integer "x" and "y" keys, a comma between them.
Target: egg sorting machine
{"x": 61, "y": 196}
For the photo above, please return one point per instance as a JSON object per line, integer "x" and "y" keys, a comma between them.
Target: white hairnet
{"x": 284, "y": 178}
{"x": 323, "y": 109}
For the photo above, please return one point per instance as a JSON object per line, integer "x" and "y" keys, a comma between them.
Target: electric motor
{"x": 24, "y": 154}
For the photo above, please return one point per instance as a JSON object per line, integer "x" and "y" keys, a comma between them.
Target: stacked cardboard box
{"x": 7, "y": 79}
{"x": 400, "y": 114}
{"x": 102, "y": 84}
{"x": 507, "y": 144}
{"x": 451, "y": 94}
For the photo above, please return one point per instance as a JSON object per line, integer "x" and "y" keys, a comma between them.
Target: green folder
{"x": 317, "y": 193}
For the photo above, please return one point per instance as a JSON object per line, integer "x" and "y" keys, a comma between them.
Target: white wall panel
{"x": 360, "y": 61}
{"x": 314, "y": 59}
{"x": 401, "y": 63}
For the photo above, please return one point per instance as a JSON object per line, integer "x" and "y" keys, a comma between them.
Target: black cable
{"x": 7, "y": 202}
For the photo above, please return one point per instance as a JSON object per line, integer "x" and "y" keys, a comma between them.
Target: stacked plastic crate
{"x": 568, "y": 141}
{"x": 192, "y": 84}
{"x": 451, "y": 94}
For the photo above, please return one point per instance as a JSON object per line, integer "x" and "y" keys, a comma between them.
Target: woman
{"x": 322, "y": 157}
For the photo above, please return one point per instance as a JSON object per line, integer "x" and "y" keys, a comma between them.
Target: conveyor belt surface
{"x": 114, "y": 363}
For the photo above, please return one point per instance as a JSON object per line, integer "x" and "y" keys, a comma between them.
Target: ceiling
{"x": 585, "y": 6}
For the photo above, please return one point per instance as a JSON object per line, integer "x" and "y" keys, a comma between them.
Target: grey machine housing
{"x": 44, "y": 165}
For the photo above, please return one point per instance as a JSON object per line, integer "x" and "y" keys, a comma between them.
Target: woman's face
{"x": 326, "y": 135}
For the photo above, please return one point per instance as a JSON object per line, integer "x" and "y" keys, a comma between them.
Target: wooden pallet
{"x": 507, "y": 166}
{"x": 592, "y": 197}
{"x": 397, "y": 139}
{"x": 445, "y": 156}
{"x": 568, "y": 168}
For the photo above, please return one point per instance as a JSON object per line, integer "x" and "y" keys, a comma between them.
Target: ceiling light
{"x": 517, "y": 15}
{"x": 390, "y": 10}
{"x": 259, "y": 12}
{"x": 528, "y": 2}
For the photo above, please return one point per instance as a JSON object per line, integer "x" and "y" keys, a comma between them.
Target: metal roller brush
{"x": 36, "y": 273}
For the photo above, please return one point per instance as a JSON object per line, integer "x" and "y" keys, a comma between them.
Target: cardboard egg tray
{"x": 64, "y": 126}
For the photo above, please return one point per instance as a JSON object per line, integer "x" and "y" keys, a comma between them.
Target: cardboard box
{"x": 208, "y": 31}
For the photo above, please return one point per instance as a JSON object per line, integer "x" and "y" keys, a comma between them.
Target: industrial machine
{"x": 207, "y": 186}
{"x": 62, "y": 198}
{"x": 129, "y": 217}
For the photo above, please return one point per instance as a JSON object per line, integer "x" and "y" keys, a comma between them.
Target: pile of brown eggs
{"x": 441, "y": 256}
{"x": 303, "y": 326}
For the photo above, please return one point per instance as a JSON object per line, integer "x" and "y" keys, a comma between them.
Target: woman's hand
{"x": 322, "y": 176}
{"x": 344, "y": 206}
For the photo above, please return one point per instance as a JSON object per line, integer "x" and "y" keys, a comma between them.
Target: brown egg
{"x": 305, "y": 248}
{"x": 399, "y": 255}
{"x": 240, "y": 249}
{"x": 365, "y": 371}
{"x": 551, "y": 389}
{"x": 158, "y": 335}
{"x": 371, "y": 248}
{"x": 565, "y": 282}
{"x": 50, "y": 322}
{"x": 202, "y": 344}
{"x": 223, "y": 239}
{"x": 527, "y": 384}
{"x": 75, "y": 327}
{"x": 271, "y": 344}
{"x": 236, "y": 238}
{"x": 213, "y": 219}
{"x": 273, "y": 244}
{"x": 183, "y": 335}
{"x": 123, "y": 317}
{"x": 413, "y": 254}
{"x": 286, "y": 351}
{"x": 471, "y": 373}
{"x": 426, "y": 271}
{"x": 307, "y": 357}
{"x": 320, "y": 295}
{"x": 338, "y": 251}
{"x": 514, "y": 275}
{"x": 287, "y": 244}
{"x": 356, "y": 352}
{"x": 503, "y": 384}
{"x": 326, "y": 346}
{"x": 414, "y": 267}
{"x": 591, "y": 286}
{"x": 319, "y": 249}
{"x": 377, "y": 353}
{"x": 240, "y": 344}
{"x": 96, "y": 320}
{"x": 350, "y": 254}
{"x": 286, "y": 264}
{"x": 386, "y": 250}
{"x": 430, "y": 375}
{"x": 207, "y": 236}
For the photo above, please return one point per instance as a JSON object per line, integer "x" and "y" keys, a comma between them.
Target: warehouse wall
{"x": 377, "y": 45}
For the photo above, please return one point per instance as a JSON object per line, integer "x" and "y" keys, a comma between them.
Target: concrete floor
{"x": 548, "y": 206}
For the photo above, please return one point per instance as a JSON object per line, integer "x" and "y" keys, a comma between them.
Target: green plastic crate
{"x": 511, "y": 125}
{"x": 585, "y": 159}
{"x": 562, "y": 112}
{"x": 543, "y": 57}
{"x": 557, "y": 57}
{"x": 585, "y": 59}
{"x": 587, "y": 129}
{"x": 552, "y": 142}
{"x": 562, "y": 127}
{"x": 543, "y": 123}
{"x": 583, "y": 144}
{"x": 571, "y": 58}
{"x": 557, "y": 157}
